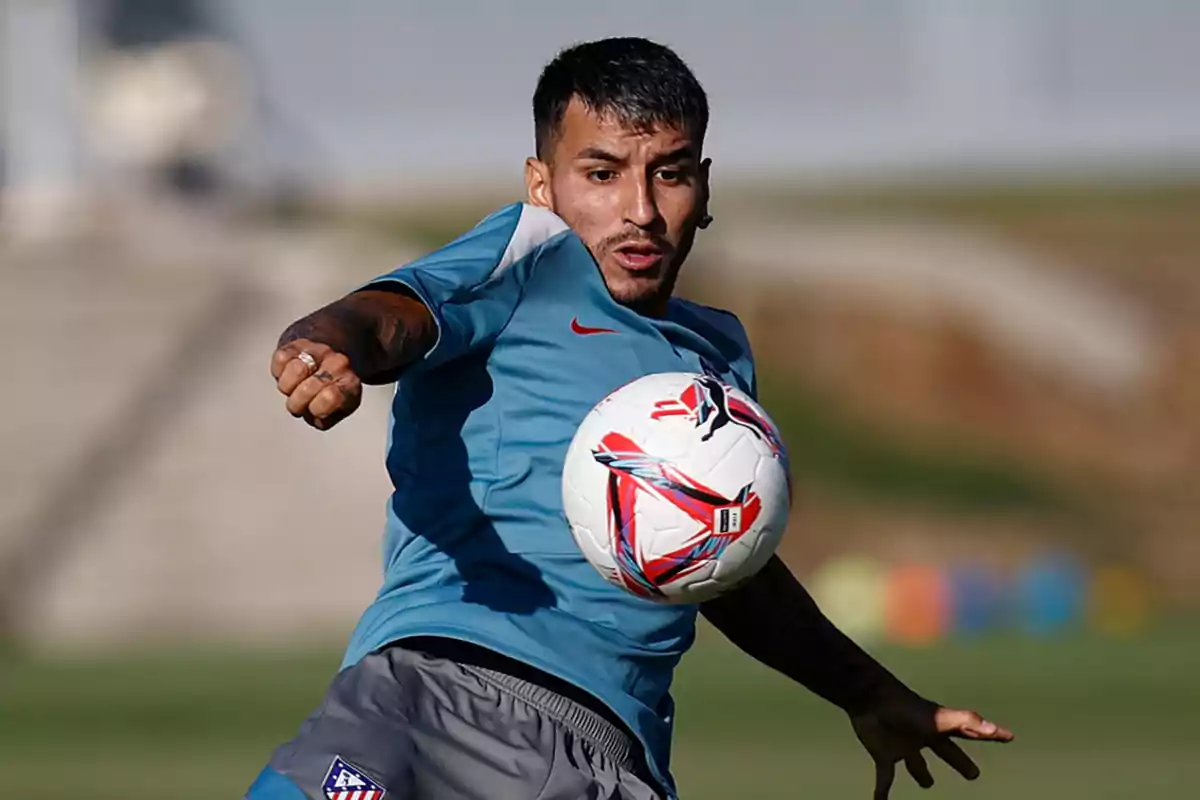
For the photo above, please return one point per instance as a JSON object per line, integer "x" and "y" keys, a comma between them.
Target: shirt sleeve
{"x": 472, "y": 285}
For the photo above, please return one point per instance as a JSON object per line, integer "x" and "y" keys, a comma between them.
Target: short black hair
{"x": 640, "y": 82}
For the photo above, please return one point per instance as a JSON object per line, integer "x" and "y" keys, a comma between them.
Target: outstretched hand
{"x": 900, "y": 730}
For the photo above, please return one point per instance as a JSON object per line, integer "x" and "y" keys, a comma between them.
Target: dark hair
{"x": 641, "y": 83}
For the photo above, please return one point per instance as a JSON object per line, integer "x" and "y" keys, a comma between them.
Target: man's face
{"x": 635, "y": 198}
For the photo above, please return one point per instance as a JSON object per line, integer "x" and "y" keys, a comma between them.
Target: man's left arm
{"x": 773, "y": 619}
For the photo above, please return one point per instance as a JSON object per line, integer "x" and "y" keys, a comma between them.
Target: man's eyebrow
{"x": 685, "y": 153}
{"x": 596, "y": 154}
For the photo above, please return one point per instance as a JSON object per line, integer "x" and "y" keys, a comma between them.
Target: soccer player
{"x": 495, "y": 662}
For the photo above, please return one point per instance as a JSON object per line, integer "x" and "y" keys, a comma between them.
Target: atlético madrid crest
{"x": 344, "y": 781}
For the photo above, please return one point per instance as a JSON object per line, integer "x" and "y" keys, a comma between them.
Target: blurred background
{"x": 965, "y": 239}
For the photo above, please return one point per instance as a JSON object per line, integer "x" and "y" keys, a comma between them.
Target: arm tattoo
{"x": 380, "y": 331}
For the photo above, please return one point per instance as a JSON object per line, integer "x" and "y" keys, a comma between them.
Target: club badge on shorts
{"x": 344, "y": 781}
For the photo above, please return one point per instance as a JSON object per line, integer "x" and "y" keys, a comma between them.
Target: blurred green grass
{"x": 1095, "y": 718}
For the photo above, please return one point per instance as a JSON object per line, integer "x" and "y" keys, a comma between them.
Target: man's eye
{"x": 602, "y": 175}
{"x": 670, "y": 175}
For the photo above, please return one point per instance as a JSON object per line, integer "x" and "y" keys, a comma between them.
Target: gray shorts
{"x": 403, "y": 723}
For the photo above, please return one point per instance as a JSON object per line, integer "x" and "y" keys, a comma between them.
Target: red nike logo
{"x": 584, "y": 330}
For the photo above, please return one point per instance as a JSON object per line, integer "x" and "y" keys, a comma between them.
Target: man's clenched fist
{"x": 323, "y": 394}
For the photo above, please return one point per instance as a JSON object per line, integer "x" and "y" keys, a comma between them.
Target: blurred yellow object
{"x": 850, "y": 590}
{"x": 1119, "y": 601}
{"x": 918, "y": 604}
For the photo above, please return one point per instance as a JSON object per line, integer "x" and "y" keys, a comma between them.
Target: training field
{"x": 1095, "y": 719}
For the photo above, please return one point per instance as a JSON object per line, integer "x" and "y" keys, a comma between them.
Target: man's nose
{"x": 641, "y": 206}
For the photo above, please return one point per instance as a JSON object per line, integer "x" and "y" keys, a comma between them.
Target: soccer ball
{"x": 676, "y": 487}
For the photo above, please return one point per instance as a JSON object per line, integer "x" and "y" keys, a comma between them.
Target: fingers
{"x": 287, "y": 367}
{"x": 919, "y": 770}
{"x": 325, "y": 423}
{"x": 953, "y": 755}
{"x": 323, "y": 398}
{"x": 305, "y": 392}
{"x": 885, "y": 775}
{"x": 323, "y": 395}
{"x": 969, "y": 725}
{"x": 319, "y": 396}
{"x": 986, "y": 731}
{"x": 325, "y": 390}
{"x": 965, "y": 725}
{"x": 339, "y": 395}
{"x": 280, "y": 359}
{"x": 285, "y": 354}
{"x": 330, "y": 406}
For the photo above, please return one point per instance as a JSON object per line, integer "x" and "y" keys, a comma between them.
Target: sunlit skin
{"x": 634, "y": 196}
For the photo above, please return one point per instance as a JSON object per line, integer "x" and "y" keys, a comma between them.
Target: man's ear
{"x": 705, "y": 170}
{"x": 537, "y": 183}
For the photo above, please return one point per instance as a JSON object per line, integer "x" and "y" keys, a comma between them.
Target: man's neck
{"x": 654, "y": 308}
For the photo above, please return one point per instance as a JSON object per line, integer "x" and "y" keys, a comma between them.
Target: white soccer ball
{"x": 676, "y": 487}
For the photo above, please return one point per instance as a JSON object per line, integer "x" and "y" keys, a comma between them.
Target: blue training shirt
{"x": 476, "y": 545}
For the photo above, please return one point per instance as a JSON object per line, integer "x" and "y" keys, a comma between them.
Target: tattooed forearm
{"x": 330, "y": 325}
{"x": 381, "y": 332}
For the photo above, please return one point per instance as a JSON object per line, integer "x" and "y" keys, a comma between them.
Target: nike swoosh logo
{"x": 584, "y": 330}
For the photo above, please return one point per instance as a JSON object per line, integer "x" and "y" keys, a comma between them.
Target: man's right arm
{"x": 435, "y": 309}
{"x": 367, "y": 337}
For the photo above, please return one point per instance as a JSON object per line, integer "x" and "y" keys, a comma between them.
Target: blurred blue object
{"x": 977, "y": 598}
{"x": 1050, "y": 593}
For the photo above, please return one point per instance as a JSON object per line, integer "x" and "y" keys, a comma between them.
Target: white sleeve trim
{"x": 535, "y": 227}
